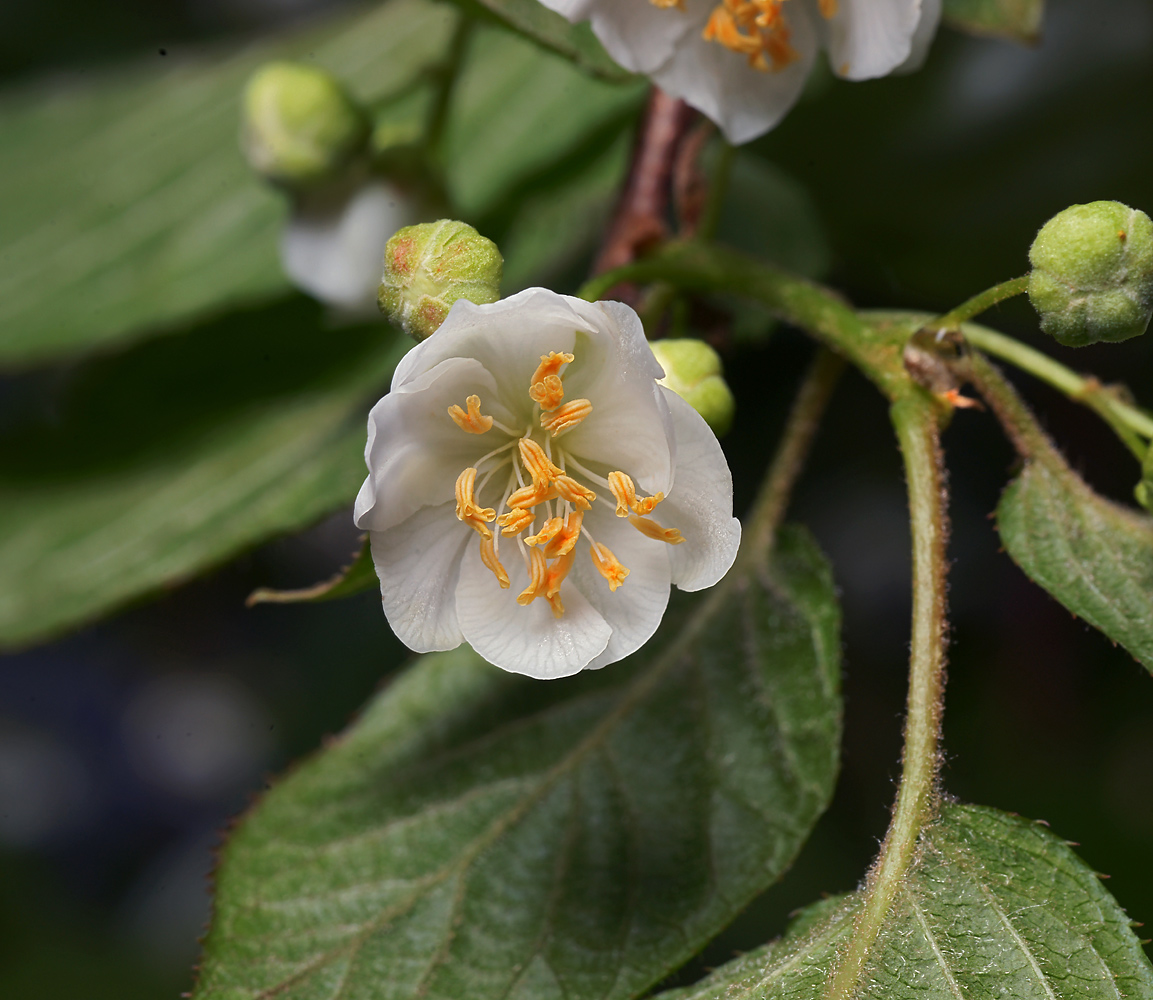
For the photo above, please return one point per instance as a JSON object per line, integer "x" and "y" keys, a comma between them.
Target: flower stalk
{"x": 982, "y": 301}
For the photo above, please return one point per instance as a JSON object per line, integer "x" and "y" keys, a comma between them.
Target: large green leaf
{"x": 548, "y": 28}
{"x": 1017, "y": 19}
{"x": 1092, "y": 555}
{"x": 126, "y": 202}
{"x": 153, "y": 465}
{"x": 517, "y": 110}
{"x": 995, "y": 906}
{"x": 481, "y": 835}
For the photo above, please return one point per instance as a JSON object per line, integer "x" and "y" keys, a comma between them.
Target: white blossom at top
{"x": 333, "y": 248}
{"x": 534, "y": 492}
{"x": 743, "y": 62}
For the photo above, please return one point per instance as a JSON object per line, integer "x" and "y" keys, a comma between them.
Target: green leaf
{"x": 995, "y": 906}
{"x": 126, "y": 203}
{"x": 1092, "y": 555}
{"x": 482, "y": 835}
{"x": 355, "y": 578}
{"x": 517, "y": 110}
{"x": 548, "y": 28}
{"x": 153, "y": 465}
{"x": 1016, "y": 19}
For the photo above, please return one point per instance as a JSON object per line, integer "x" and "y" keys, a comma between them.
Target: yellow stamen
{"x": 545, "y": 386}
{"x": 466, "y": 506}
{"x": 474, "y": 421}
{"x": 572, "y": 491}
{"x": 530, "y": 496}
{"x": 666, "y": 4}
{"x": 756, "y": 29}
{"x": 547, "y": 533}
{"x": 556, "y": 574}
{"x": 650, "y": 529}
{"x": 567, "y": 417}
{"x": 537, "y": 463}
{"x": 548, "y": 392}
{"x": 828, "y": 8}
{"x": 515, "y": 521}
{"x": 562, "y": 542}
{"x": 554, "y": 602}
{"x": 488, "y": 556}
{"x": 608, "y": 565}
{"x": 538, "y": 574}
{"x": 626, "y": 496}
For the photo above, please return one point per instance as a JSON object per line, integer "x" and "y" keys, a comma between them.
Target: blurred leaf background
{"x": 169, "y": 406}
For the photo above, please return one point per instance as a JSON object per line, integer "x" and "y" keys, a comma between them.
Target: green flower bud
{"x": 693, "y": 372}
{"x": 300, "y": 125}
{"x": 1092, "y": 276}
{"x": 428, "y": 267}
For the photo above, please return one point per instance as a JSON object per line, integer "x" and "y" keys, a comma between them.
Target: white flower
{"x": 743, "y": 62}
{"x": 333, "y": 248}
{"x": 532, "y": 491}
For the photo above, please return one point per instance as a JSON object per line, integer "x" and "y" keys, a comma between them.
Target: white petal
{"x": 743, "y": 101}
{"x": 418, "y": 562}
{"x": 641, "y": 36}
{"x": 870, "y": 38}
{"x": 415, "y": 452}
{"x": 525, "y": 640}
{"x": 701, "y": 504}
{"x": 335, "y": 253}
{"x": 923, "y": 36}
{"x": 635, "y": 609}
{"x": 574, "y": 10}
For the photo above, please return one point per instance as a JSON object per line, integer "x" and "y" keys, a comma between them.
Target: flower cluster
{"x": 744, "y": 62}
{"x": 533, "y": 491}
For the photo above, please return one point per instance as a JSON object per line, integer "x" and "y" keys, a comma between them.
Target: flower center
{"x": 544, "y": 484}
{"x": 757, "y": 29}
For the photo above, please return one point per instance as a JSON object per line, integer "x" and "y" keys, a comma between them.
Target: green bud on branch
{"x": 693, "y": 372}
{"x": 300, "y": 126}
{"x": 429, "y": 267}
{"x": 1092, "y": 274}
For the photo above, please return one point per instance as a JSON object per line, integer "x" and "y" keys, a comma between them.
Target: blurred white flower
{"x": 533, "y": 491}
{"x": 744, "y": 62}
{"x": 333, "y": 248}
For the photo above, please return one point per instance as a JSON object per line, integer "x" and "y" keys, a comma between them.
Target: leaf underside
{"x": 1016, "y": 19}
{"x": 480, "y": 835}
{"x": 994, "y": 906}
{"x": 1092, "y": 555}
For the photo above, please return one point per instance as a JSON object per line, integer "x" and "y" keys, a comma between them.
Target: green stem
{"x": 982, "y": 301}
{"x": 915, "y": 421}
{"x": 1130, "y": 424}
{"x": 809, "y": 406}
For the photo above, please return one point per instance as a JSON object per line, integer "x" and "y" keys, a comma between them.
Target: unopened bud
{"x": 1092, "y": 276}
{"x": 300, "y": 125}
{"x": 428, "y": 267}
{"x": 693, "y": 372}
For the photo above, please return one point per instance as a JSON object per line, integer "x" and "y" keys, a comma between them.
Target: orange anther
{"x": 626, "y": 496}
{"x": 562, "y": 541}
{"x": 474, "y": 421}
{"x": 537, "y": 462}
{"x": 466, "y": 506}
{"x": 547, "y": 533}
{"x": 548, "y": 392}
{"x": 567, "y": 417}
{"x": 515, "y": 521}
{"x": 608, "y": 565}
{"x": 538, "y": 574}
{"x": 530, "y": 496}
{"x": 828, "y": 8}
{"x": 650, "y": 529}
{"x": 667, "y": 4}
{"x": 556, "y": 574}
{"x": 488, "y": 556}
{"x": 550, "y": 364}
{"x": 572, "y": 491}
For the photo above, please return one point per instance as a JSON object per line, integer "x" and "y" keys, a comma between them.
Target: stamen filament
{"x": 588, "y": 474}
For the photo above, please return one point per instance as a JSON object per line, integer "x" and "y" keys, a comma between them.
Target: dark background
{"x": 126, "y": 748}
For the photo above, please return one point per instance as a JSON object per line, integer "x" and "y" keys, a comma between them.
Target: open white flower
{"x": 534, "y": 492}
{"x": 743, "y": 62}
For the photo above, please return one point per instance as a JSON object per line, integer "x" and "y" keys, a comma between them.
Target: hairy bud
{"x": 1092, "y": 276}
{"x": 428, "y": 267}
{"x": 693, "y": 372}
{"x": 300, "y": 126}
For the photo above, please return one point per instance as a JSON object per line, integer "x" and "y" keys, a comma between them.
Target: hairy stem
{"x": 915, "y": 421}
{"x": 982, "y": 301}
{"x": 1129, "y": 422}
{"x": 793, "y": 448}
